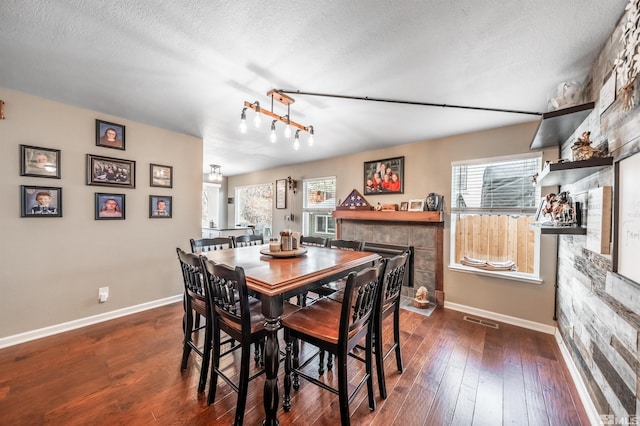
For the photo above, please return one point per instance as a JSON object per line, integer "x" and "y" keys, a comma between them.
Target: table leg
{"x": 271, "y": 309}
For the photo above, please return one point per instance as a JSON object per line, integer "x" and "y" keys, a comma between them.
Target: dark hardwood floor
{"x": 127, "y": 372}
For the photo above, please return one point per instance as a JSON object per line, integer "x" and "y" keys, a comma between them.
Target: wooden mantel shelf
{"x": 389, "y": 216}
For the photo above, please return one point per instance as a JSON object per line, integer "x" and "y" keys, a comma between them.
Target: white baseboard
{"x": 83, "y": 322}
{"x": 587, "y": 402}
{"x": 536, "y": 326}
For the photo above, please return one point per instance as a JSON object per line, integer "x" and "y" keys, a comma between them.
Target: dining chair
{"x": 388, "y": 304}
{"x": 337, "y": 329}
{"x": 208, "y": 244}
{"x": 248, "y": 240}
{"x": 310, "y": 241}
{"x": 239, "y": 315}
{"x": 196, "y": 300}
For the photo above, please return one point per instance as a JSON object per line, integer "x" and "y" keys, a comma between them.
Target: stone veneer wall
{"x": 599, "y": 311}
{"x": 422, "y": 237}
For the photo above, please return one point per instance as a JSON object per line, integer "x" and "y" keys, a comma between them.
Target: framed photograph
{"x": 40, "y": 201}
{"x": 107, "y": 171}
{"x": 39, "y": 162}
{"x": 109, "y": 206}
{"x": 416, "y": 205}
{"x": 160, "y": 207}
{"x": 404, "y": 206}
{"x": 281, "y": 194}
{"x": 384, "y": 176}
{"x": 110, "y": 135}
{"x": 626, "y": 205}
{"x": 160, "y": 176}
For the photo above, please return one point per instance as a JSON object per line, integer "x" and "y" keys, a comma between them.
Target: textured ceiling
{"x": 188, "y": 65}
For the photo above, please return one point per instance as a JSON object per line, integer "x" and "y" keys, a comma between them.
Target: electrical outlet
{"x": 103, "y": 294}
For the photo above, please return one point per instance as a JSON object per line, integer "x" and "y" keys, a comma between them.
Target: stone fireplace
{"x": 423, "y": 231}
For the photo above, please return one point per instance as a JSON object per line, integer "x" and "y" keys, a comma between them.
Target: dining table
{"x": 278, "y": 276}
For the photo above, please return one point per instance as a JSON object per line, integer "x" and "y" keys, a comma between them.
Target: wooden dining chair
{"x": 388, "y": 304}
{"x": 248, "y": 240}
{"x": 337, "y": 329}
{"x": 239, "y": 315}
{"x": 196, "y": 301}
{"x": 208, "y": 244}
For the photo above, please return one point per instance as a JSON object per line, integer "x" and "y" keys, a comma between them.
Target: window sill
{"x": 514, "y": 276}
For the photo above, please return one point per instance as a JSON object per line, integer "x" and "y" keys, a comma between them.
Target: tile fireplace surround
{"x": 422, "y": 230}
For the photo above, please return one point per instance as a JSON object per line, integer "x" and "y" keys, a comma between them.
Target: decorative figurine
{"x": 422, "y": 298}
{"x": 582, "y": 149}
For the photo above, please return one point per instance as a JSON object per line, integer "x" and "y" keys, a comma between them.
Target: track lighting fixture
{"x": 288, "y": 131}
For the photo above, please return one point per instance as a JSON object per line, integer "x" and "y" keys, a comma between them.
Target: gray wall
{"x": 51, "y": 268}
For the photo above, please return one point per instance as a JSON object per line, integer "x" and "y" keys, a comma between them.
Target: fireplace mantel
{"x": 403, "y": 228}
{"x": 389, "y": 216}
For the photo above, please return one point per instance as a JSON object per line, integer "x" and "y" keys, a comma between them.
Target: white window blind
{"x": 495, "y": 185}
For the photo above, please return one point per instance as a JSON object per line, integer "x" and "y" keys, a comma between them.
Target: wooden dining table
{"x": 277, "y": 279}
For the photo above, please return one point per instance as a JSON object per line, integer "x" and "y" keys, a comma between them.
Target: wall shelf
{"x": 389, "y": 216}
{"x": 560, "y": 230}
{"x": 571, "y": 171}
{"x": 556, "y": 127}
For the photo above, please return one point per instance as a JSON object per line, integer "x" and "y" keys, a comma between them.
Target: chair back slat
{"x": 248, "y": 240}
{"x": 393, "y": 279}
{"x": 313, "y": 241}
{"x": 229, "y": 293}
{"x": 209, "y": 244}
{"x": 191, "y": 274}
{"x": 346, "y": 244}
{"x": 359, "y": 300}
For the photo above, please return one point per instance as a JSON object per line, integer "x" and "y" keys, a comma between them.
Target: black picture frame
{"x": 38, "y": 161}
{"x": 159, "y": 211}
{"x": 375, "y": 184}
{"x": 160, "y": 176}
{"x": 104, "y": 132}
{"x": 34, "y": 204}
{"x": 281, "y": 194}
{"x": 626, "y": 223}
{"x": 107, "y": 171}
{"x": 110, "y": 206}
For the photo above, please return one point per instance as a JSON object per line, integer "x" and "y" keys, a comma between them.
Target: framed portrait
{"x": 626, "y": 206}
{"x": 107, "y": 171}
{"x": 160, "y": 176}
{"x": 384, "y": 176}
{"x": 39, "y": 162}
{"x": 109, "y": 206}
{"x": 40, "y": 201}
{"x": 160, "y": 207}
{"x": 281, "y": 194}
{"x": 404, "y": 206}
{"x": 416, "y": 205}
{"x": 110, "y": 135}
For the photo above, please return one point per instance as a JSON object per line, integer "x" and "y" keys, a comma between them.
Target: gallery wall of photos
{"x": 44, "y": 201}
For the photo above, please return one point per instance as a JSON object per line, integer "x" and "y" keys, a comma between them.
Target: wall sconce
{"x": 286, "y": 119}
{"x": 215, "y": 173}
{"x": 293, "y": 184}
{"x": 1, "y": 109}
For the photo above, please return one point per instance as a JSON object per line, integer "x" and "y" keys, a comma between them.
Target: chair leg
{"x": 343, "y": 389}
{"x": 243, "y": 385}
{"x": 369, "y": 368}
{"x": 377, "y": 343}
{"x": 206, "y": 357}
{"x": 321, "y": 363}
{"x": 215, "y": 364}
{"x": 329, "y": 361}
{"x": 286, "y": 400}
{"x": 396, "y": 337}
{"x": 186, "y": 347}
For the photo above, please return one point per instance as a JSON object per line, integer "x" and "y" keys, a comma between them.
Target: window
{"x": 254, "y": 206}
{"x": 494, "y": 201}
{"x": 319, "y": 200}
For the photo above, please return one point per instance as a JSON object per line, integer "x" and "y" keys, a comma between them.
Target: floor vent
{"x": 481, "y": 322}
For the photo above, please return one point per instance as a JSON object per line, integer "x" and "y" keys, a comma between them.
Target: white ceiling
{"x": 188, "y": 65}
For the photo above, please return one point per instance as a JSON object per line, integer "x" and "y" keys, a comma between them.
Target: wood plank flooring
{"x": 127, "y": 372}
